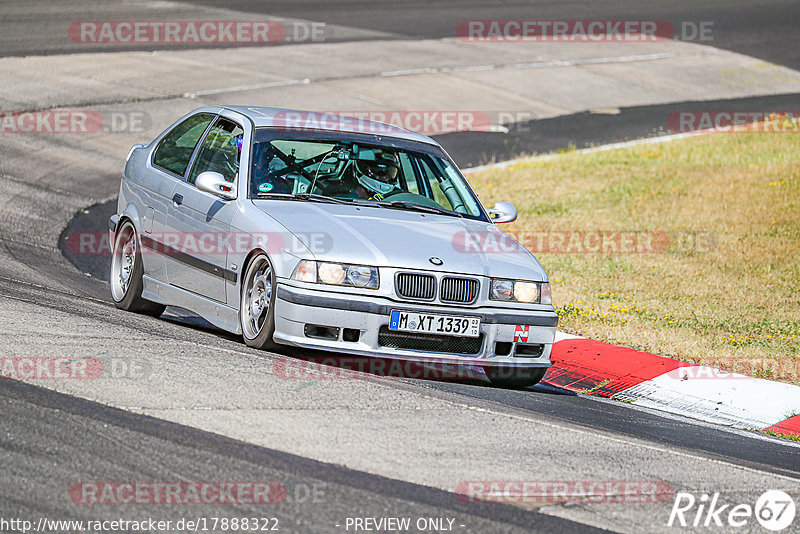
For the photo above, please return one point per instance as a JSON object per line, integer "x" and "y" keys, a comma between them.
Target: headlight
{"x": 526, "y": 291}
{"x": 361, "y": 276}
{"x": 519, "y": 291}
{"x": 502, "y": 290}
{"x": 331, "y": 273}
{"x": 340, "y": 274}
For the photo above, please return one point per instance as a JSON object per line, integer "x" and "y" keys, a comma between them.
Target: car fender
{"x": 131, "y": 212}
{"x": 282, "y": 246}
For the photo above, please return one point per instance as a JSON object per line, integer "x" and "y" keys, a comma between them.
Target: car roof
{"x": 267, "y": 117}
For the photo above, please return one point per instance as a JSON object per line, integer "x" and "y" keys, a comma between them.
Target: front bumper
{"x": 517, "y": 330}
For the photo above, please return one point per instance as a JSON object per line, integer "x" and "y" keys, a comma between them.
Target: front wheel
{"x": 257, "y": 304}
{"x": 515, "y": 377}
{"x": 126, "y": 274}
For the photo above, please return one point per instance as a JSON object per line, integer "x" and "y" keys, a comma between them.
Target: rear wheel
{"x": 126, "y": 274}
{"x": 515, "y": 377}
{"x": 257, "y": 305}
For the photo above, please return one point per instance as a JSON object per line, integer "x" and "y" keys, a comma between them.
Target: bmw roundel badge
{"x": 436, "y": 261}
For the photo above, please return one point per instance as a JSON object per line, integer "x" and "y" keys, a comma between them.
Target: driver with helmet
{"x": 377, "y": 178}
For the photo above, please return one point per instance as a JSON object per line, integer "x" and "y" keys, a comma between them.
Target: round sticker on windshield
{"x": 265, "y": 188}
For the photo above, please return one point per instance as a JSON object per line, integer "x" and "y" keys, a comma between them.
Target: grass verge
{"x": 688, "y": 249}
{"x": 790, "y": 437}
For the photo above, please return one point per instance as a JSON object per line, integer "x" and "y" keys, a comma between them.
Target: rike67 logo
{"x": 774, "y": 510}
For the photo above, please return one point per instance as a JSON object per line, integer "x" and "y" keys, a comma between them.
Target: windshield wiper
{"x": 321, "y": 198}
{"x": 401, "y": 204}
{"x": 304, "y": 196}
{"x": 263, "y": 194}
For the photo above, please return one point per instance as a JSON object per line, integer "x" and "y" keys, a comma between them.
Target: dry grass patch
{"x": 726, "y": 290}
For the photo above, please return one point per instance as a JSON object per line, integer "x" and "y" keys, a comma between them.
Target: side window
{"x": 220, "y": 151}
{"x": 408, "y": 173}
{"x": 176, "y": 148}
{"x": 435, "y": 185}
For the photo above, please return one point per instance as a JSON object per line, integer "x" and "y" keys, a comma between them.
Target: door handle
{"x": 177, "y": 199}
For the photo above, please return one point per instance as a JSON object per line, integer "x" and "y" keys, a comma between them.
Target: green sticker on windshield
{"x": 265, "y": 188}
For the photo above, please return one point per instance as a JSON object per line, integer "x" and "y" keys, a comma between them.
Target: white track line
{"x": 601, "y": 148}
{"x": 555, "y": 63}
{"x": 436, "y": 70}
{"x": 241, "y": 88}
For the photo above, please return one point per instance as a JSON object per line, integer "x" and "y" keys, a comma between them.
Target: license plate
{"x": 429, "y": 323}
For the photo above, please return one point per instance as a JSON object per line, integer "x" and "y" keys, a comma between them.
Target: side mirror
{"x": 503, "y": 212}
{"x": 216, "y": 184}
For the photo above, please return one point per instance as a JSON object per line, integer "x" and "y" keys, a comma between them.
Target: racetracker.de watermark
{"x": 582, "y": 31}
{"x": 47, "y": 368}
{"x": 209, "y": 32}
{"x": 427, "y": 122}
{"x": 355, "y": 368}
{"x": 180, "y": 493}
{"x": 202, "y": 243}
{"x": 66, "y": 121}
{"x": 738, "y": 369}
{"x": 546, "y": 492}
{"x": 423, "y": 121}
{"x": 734, "y": 121}
{"x": 63, "y": 368}
{"x": 583, "y": 242}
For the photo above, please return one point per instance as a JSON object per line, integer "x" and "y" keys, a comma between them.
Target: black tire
{"x": 258, "y": 326}
{"x": 515, "y": 377}
{"x": 127, "y": 269}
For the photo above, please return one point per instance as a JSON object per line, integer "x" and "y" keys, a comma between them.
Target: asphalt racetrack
{"x": 192, "y": 403}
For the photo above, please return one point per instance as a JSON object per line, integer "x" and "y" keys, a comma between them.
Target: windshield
{"x": 350, "y": 170}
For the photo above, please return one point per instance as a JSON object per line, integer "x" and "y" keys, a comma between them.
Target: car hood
{"x": 387, "y": 237}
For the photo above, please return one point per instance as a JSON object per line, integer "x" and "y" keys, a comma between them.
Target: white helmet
{"x": 377, "y": 171}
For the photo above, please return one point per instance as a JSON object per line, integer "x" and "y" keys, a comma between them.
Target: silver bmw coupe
{"x": 328, "y": 232}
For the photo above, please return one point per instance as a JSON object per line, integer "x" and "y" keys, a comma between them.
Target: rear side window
{"x": 175, "y": 150}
